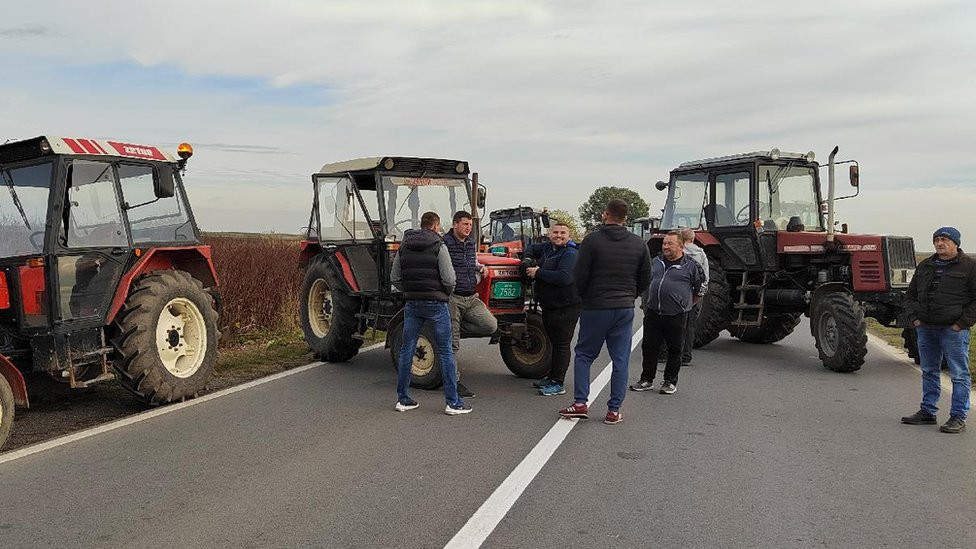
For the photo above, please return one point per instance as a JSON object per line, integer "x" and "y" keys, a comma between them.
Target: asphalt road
{"x": 760, "y": 447}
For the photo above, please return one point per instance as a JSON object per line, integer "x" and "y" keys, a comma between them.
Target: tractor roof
{"x": 48, "y": 145}
{"x": 771, "y": 155}
{"x": 506, "y": 212}
{"x": 406, "y": 164}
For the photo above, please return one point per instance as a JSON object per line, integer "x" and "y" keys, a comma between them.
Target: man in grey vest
{"x": 422, "y": 271}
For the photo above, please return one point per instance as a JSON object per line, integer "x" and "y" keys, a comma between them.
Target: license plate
{"x": 506, "y": 290}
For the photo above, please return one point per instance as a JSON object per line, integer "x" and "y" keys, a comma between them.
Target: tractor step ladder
{"x": 364, "y": 318}
{"x": 751, "y": 302}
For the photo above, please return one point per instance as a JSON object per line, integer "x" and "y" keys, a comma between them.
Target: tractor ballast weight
{"x": 102, "y": 271}
{"x": 360, "y": 211}
{"x": 774, "y": 254}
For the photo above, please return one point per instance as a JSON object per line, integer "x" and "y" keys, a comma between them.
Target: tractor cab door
{"x": 729, "y": 214}
{"x": 92, "y": 246}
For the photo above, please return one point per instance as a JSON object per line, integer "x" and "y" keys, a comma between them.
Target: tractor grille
{"x": 427, "y": 166}
{"x": 512, "y": 304}
{"x": 869, "y": 271}
{"x": 900, "y": 257}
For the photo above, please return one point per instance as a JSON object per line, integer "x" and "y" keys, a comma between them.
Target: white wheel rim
{"x": 320, "y": 308}
{"x": 181, "y": 337}
{"x": 423, "y": 357}
{"x": 528, "y": 357}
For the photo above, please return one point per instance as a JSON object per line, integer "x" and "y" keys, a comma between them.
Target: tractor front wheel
{"x": 6, "y": 410}
{"x": 328, "y": 314}
{"x": 838, "y": 326}
{"x": 530, "y": 356}
{"x": 426, "y": 367}
{"x": 166, "y": 337}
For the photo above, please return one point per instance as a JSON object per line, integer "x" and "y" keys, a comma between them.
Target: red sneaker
{"x": 613, "y": 418}
{"x": 578, "y": 409}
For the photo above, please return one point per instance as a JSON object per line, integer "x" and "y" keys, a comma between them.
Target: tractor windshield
{"x": 407, "y": 198}
{"x": 786, "y": 191}
{"x": 686, "y": 201}
{"x": 23, "y": 209}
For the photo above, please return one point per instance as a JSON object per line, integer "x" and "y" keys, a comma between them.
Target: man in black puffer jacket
{"x": 613, "y": 268}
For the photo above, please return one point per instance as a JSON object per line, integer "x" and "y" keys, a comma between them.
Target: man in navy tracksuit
{"x": 556, "y": 292}
{"x": 677, "y": 284}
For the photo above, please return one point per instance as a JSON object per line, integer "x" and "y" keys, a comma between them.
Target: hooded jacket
{"x": 422, "y": 268}
{"x": 612, "y": 269}
{"x": 554, "y": 284}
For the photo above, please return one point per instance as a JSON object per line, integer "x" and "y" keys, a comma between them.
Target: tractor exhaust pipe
{"x": 830, "y": 194}
{"x": 475, "y": 214}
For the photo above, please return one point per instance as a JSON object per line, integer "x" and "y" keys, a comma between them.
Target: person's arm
{"x": 644, "y": 271}
{"x": 968, "y": 317}
{"x": 584, "y": 266}
{"x": 563, "y": 274}
{"x": 704, "y": 266}
{"x": 699, "y": 283}
{"x": 446, "y": 268}
{"x": 534, "y": 251}
{"x": 910, "y": 302}
{"x": 396, "y": 274}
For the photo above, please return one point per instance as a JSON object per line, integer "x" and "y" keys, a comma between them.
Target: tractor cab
{"x": 512, "y": 230}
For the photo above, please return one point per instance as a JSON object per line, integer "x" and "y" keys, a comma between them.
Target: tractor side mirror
{"x": 854, "y": 175}
{"x": 661, "y": 185}
{"x": 545, "y": 220}
{"x": 165, "y": 185}
{"x": 482, "y": 196}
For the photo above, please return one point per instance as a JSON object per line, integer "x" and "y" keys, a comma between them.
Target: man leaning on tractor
{"x": 466, "y": 309}
{"x": 941, "y": 303}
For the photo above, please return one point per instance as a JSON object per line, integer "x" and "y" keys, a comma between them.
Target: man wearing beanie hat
{"x": 941, "y": 303}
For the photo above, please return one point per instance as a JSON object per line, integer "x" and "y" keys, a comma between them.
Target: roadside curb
{"x": 162, "y": 410}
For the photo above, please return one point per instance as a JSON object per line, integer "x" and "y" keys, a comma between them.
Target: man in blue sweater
{"x": 555, "y": 291}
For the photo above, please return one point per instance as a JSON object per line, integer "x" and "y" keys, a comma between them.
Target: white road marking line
{"x": 137, "y": 418}
{"x": 900, "y": 354}
{"x": 483, "y": 522}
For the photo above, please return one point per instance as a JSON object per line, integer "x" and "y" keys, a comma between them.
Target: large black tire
{"x": 534, "y": 360}
{"x": 328, "y": 314}
{"x": 159, "y": 333}
{"x": 426, "y": 369}
{"x": 6, "y": 410}
{"x": 715, "y": 313}
{"x": 773, "y": 329}
{"x": 838, "y": 326}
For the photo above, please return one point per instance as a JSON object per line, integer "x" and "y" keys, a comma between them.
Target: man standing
{"x": 612, "y": 269}
{"x": 677, "y": 283}
{"x": 691, "y": 319}
{"x": 466, "y": 309}
{"x": 941, "y": 303}
{"x": 422, "y": 271}
{"x": 556, "y": 293}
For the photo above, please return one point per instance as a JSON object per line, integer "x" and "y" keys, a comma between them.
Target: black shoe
{"x": 955, "y": 424}
{"x": 920, "y": 417}
{"x": 463, "y": 391}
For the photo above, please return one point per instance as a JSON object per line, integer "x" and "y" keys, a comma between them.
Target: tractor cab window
{"x": 152, "y": 219}
{"x": 340, "y": 215}
{"x": 91, "y": 217}
{"x": 786, "y": 191}
{"x": 23, "y": 209}
{"x": 687, "y": 196}
{"x": 732, "y": 199}
{"x": 407, "y": 198}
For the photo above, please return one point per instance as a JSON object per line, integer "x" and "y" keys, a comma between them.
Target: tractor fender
{"x": 16, "y": 381}
{"x": 308, "y": 250}
{"x": 828, "y": 288}
{"x": 391, "y": 327}
{"x": 196, "y": 260}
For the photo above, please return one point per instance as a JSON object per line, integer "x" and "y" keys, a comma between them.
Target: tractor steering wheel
{"x": 743, "y": 214}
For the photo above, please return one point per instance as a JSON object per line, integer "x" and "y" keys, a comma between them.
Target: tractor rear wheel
{"x": 773, "y": 329}
{"x": 328, "y": 314}
{"x": 166, "y": 337}
{"x": 529, "y": 357}
{"x": 715, "y": 313}
{"x": 838, "y": 326}
{"x": 426, "y": 368}
{"x": 6, "y": 409}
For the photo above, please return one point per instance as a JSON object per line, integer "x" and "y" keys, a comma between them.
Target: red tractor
{"x": 360, "y": 211}
{"x": 513, "y": 229}
{"x": 774, "y": 254}
{"x": 102, "y": 272}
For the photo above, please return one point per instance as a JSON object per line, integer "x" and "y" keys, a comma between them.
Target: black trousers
{"x": 560, "y": 324}
{"x": 657, "y": 329}
{"x": 691, "y": 326}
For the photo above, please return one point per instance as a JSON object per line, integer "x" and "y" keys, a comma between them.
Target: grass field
{"x": 893, "y": 337}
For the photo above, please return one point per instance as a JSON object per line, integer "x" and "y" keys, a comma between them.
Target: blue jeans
{"x": 596, "y": 326}
{"x": 415, "y": 313}
{"x": 934, "y": 343}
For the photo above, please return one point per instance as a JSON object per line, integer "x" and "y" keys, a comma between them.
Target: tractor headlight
{"x": 459, "y": 168}
{"x": 388, "y": 164}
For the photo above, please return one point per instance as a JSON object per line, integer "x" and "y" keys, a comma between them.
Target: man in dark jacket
{"x": 612, "y": 269}
{"x": 677, "y": 284}
{"x": 466, "y": 309}
{"x": 941, "y": 303}
{"x": 556, "y": 293}
{"x": 422, "y": 271}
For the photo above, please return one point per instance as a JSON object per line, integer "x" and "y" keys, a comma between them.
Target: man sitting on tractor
{"x": 465, "y": 306}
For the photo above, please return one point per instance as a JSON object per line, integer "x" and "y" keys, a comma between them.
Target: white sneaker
{"x": 404, "y": 405}
{"x": 456, "y": 410}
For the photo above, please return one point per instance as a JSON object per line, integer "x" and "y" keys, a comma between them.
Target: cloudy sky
{"x": 547, "y": 100}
